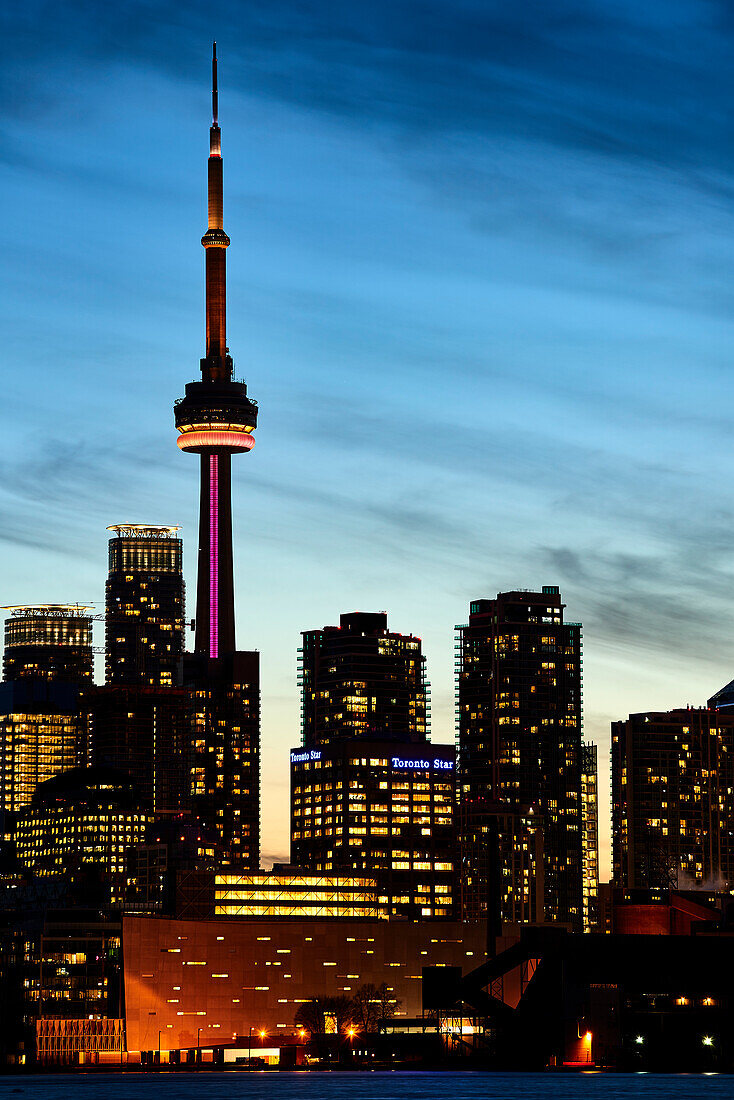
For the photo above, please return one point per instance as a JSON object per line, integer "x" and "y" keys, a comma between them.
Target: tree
{"x": 313, "y": 1015}
{"x": 371, "y": 1004}
{"x": 310, "y": 1017}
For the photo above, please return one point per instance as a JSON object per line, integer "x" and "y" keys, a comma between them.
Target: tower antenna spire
{"x": 215, "y": 93}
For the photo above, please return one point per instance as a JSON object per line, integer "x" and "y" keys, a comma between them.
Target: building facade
{"x": 174, "y": 850}
{"x": 47, "y": 661}
{"x": 382, "y": 811}
{"x": 40, "y": 736}
{"x": 590, "y": 834}
{"x": 359, "y": 680}
{"x": 672, "y": 802}
{"x": 50, "y": 642}
{"x": 502, "y": 865}
{"x": 78, "y": 826}
{"x": 60, "y": 970}
{"x": 288, "y": 892}
{"x": 224, "y": 731}
{"x": 145, "y": 732}
{"x": 144, "y": 606}
{"x": 519, "y": 736}
{"x": 196, "y": 981}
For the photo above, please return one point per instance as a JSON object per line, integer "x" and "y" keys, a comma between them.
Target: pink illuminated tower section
{"x": 214, "y": 555}
{"x": 215, "y": 420}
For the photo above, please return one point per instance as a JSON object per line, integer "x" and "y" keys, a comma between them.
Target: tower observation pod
{"x": 215, "y": 420}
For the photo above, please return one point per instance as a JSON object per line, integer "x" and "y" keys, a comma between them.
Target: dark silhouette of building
{"x": 144, "y": 606}
{"x": 672, "y": 801}
{"x": 172, "y": 850}
{"x": 215, "y": 420}
{"x": 146, "y": 733}
{"x": 139, "y": 722}
{"x": 369, "y": 795}
{"x": 590, "y": 834}
{"x": 629, "y": 1002}
{"x": 60, "y": 971}
{"x": 503, "y": 881}
{"x": 519, "y": 704}
{"x": 658, "y": 912}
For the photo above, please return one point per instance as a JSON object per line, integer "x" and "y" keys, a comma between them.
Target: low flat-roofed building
{"x": 296, "y": 893}
{"x": 200, "y": 981}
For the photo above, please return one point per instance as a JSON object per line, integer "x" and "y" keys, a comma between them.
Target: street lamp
{"x": 262, "y": 1035}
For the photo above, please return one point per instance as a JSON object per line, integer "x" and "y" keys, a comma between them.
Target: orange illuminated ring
{"x": 234, "y": 441}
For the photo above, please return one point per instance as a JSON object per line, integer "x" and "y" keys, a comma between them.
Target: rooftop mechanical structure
{"x": 215, "y": 420}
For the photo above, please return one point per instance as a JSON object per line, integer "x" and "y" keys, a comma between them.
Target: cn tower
{"x": 215, "y": 420}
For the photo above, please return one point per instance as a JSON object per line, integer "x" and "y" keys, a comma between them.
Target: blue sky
{"x": 481, "y": 283}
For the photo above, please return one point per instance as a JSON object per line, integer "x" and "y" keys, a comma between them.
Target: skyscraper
{"x": 138, "y": 722}
{"x": 369, "y": 795}
{"x": 47, "y": 660}
{"x": 672, "y": 800}
{"x": 215, "y": 420}
{"x": 519, "y": 728}
{"x": 144, "y": 606}
{"x": 359, "y": 680}
{"x": 49, "y": 642}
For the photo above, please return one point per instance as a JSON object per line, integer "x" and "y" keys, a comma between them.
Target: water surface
{"x": 400, "y": 1085}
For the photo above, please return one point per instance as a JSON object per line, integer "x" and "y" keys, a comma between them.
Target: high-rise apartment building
{"x": 79, "y": 823}
{"x": 47, "y": 660}
{"x": 501, "y": 877}
{"x": 672, "y": 800}
{"x": 138, "y": 722}
{"x": 49, "y": 642}
{"x": 590, "y": 834}
{"x": 519, "y": 735}
{"x": 144, "y": 606}
{"x": 40, "y": 736}
{"x": 370, "y": 796}
{"x": 224, "y": 732}
{"x": 216, "y": 420}
{"x": 359, "y": 680}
